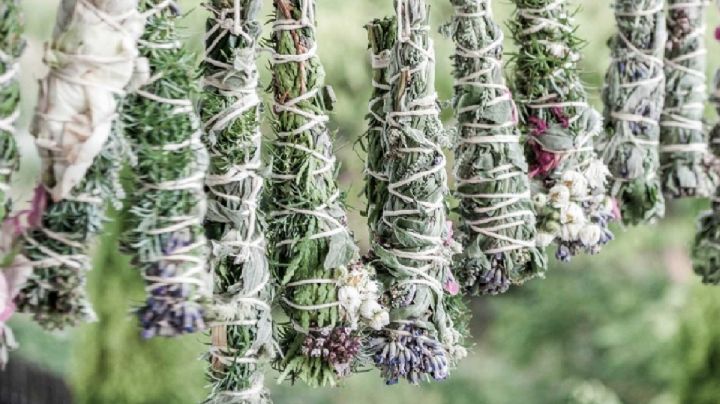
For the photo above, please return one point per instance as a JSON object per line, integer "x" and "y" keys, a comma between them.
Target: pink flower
{"x": 451, "y": 285}
{"x": 717, "y": 34}
{"x": 12, "y": 280}
{"x": 561, "y": 117}
{"x": 616, "y": 212}
{"x": 545, "y": 161}
{"x": 32, "y": 216}
{"x": 540, "y": 126}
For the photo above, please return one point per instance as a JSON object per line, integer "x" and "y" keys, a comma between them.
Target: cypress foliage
{"x": 231, "y": 111}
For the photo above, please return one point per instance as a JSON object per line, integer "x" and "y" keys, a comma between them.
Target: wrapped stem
{"x": 491, "y": 173}
{"x": 706, "y": 248}
{"x": 325, "y": 291}
{"x": 684, "y": 156}
{"x": 413, "y": 248}
{"x": 382, "y": 34}
{"x": 241, "y": 328}
{"x": 12, "y": 276}
{"x": 92, "y": 59}
{"x": 633, "y": 96}
{"x": 572, "y": 205}
{"x": 165, "y": 231}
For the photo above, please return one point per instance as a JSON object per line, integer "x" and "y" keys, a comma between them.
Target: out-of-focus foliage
{"x": 621, "y": 325}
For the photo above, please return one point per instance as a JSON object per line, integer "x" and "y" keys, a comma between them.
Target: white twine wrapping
{"x": 234, "y": 198}
{"x": 495, "y": 202}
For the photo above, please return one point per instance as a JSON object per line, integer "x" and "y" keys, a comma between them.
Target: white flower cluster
{"x": 581, "y": 208}
{"x": 359, "y": 296}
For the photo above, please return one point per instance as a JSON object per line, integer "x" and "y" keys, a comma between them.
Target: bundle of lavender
{"x": 706, "y": 249}
{"x": 496, "y": 210}
{"x": 328, "y": 295}
{"x": 92, "y": 59}
{"x": 633, "y": 97}
{"x": 167, "y": 208}
{"x": 12, "y": 273}
{"x": 413, "y": 247}
{"x": 572, "y": 204}
{"x": 382, "y": 35}
{"x": 241, "y": 326}
{"x": 685, "y": 160}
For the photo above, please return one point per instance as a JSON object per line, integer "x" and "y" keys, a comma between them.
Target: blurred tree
{"x": 112, "y": 363}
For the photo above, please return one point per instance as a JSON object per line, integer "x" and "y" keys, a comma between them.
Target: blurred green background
{"x": 632, "y": 325}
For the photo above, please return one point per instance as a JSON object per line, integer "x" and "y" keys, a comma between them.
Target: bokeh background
{"x": 631, "y": 325}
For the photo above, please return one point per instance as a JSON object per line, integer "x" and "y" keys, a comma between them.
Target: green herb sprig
{"x": 165, "y": 233}
{"x": 633, "y": 97}
{"x": 91, "y": 62}
{"x": 685, "y": 160}
{"x": 241, "y": 327}
{"x": 491, "y": 173}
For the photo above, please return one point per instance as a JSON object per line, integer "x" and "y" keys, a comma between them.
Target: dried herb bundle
{"x": 413, "y": 247}
{"x": 491, "y": 173}
{"x": 12, "y": 274}
{"x": 633, "y": 96}
{"x": 91, "y": 58}
{"x": 382, "y": 34}
{"x": 241, "y": 328}
{"x": 165, "y": 231}
{"x": 325, "y": 291}
{"x": 683, "y": 152}
{"x": 570, "y": 196}
{"x": 706, "y": 249}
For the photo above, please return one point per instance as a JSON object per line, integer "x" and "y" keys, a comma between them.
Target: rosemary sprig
{"x": 633, "y": 96}
{"x": 324, "y": 290}
{"x": 165, "y": 231}
{"x": 685, "y": 161}
{"x": 91, "y": 62}
{"x": 242, "y": 333}
{"x": 413, "y": 248}
{"x": 571, "y": 200}
{"x": 496, "y": 210}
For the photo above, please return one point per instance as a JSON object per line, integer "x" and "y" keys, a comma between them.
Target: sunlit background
{"x": 632, "y": 325}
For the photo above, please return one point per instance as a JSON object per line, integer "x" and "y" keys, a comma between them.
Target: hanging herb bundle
{"x": 382, "y": 34}
{"x": 706, "y": 249}
{"x": 166, "y": 235}
{"x": 413, "y": 248}
{"x": 570, "y": 196}
{"x": 683, "y": 152}
{"x": 91, "y": 59}
{"x": 491, "y": 173}
{"x": 231, "y": 111}
{"x": 633, "y": 97}
{"x": 325, "y": 291}
{"x": 12, "y": 274}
